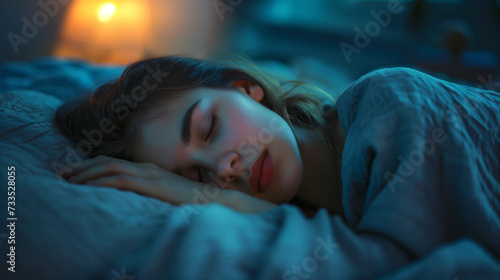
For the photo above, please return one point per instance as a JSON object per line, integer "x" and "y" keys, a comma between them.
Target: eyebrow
{"x": 186, "y": 124}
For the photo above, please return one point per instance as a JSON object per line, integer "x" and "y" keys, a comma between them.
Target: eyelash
{"x": 200, "y": 178}
{"x": 213, "y": 128}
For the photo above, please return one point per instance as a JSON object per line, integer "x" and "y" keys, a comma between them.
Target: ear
{"x": 253, "y": 90}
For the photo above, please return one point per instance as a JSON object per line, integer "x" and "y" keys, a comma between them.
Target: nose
{"x": 229, "y": 167}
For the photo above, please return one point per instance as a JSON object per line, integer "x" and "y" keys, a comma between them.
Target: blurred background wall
{"x": 458, "y": 38}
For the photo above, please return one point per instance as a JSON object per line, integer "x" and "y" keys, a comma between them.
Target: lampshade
{"x": 116, "y": 31}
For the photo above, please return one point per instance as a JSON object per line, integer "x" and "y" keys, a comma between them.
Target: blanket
{"x": 439, "y": 221}
{"x": 421, "y": 166}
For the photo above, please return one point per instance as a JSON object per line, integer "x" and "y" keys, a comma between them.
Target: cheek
{"x": 242, "y": 136}
{"x": 246, "y": 135}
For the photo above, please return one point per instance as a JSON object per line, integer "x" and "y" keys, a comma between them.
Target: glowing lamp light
{"x": 124, "y": 31}
{"x": 106, "y": 12}
{"x": 100, "y": 31}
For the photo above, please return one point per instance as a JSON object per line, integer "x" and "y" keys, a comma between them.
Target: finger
{"x": 121, "y": 182}
{"x": 88, "y": 163}
{"x": 132, "y": 183}
{"x": 85, "y": 164}
{"x": 109, "y": 168}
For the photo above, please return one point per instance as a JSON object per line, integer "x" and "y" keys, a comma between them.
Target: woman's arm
{"x": 150, "y": 180}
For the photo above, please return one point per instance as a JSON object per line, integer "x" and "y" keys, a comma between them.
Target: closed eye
{"x": 201, "y": 177}
{"x": 214, "y": 127}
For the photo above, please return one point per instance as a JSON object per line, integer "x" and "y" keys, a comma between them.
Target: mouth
{"x": 261, "y": 172}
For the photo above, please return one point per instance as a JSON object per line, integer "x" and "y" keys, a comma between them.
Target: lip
{"x": 255, "y": 171}
{"x": 266, "y": 173}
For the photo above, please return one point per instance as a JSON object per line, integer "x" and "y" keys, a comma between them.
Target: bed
{"x": 71, "y": 231}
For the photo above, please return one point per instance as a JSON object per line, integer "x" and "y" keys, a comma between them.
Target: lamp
{"x": 123, "y": 31}
{"x": 107, "y": 32}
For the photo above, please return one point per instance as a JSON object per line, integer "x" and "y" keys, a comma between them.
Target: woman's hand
{"x": 150, "y": 180}
{"x": 142, "y": 178}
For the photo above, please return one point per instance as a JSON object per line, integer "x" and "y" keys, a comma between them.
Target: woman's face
{"x": 226, "y": 138}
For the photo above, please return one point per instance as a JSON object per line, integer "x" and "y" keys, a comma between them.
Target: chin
{"x": 285, "y": 184}
{"x": 287, "y": 170}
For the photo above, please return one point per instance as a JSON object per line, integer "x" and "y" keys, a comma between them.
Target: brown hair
{"x": 111, "y": 116}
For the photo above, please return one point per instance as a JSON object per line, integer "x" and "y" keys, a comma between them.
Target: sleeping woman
{"x": 176, "y": 124}
{"x": 400, "y": 155}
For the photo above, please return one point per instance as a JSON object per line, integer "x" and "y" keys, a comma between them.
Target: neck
{"x": 321, "y": 184}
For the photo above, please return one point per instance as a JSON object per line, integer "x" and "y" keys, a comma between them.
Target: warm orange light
{"x": 123, "y": 31}
{"x": 106, "y": 12}
{"x": 105, "y": 31}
